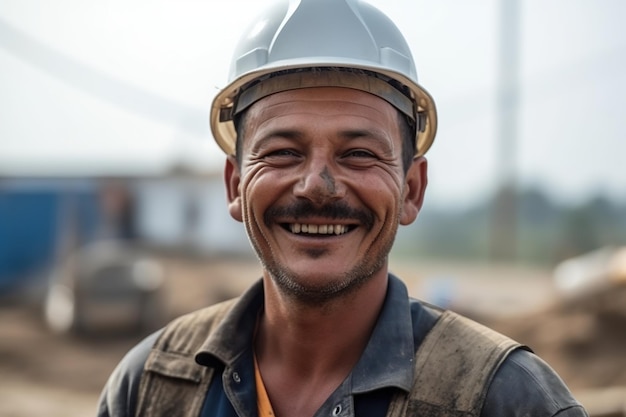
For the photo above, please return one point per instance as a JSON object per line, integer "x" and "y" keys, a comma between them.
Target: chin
{"x": 319, "y": 288}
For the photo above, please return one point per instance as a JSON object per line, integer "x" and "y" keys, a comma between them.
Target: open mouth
{"x": 317, "y": 229}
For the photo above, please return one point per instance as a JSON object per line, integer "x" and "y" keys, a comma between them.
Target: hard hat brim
{"x": 223, "y": 128}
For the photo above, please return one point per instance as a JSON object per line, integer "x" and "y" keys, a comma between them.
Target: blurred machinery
{"x": 105, "y": 287}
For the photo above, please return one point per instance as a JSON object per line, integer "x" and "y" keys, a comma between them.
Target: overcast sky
{"x": 120, "y": 86}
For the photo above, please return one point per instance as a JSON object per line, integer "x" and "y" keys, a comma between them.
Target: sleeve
{"x": 119, "y": 396}
{"x": 525, "y": 385}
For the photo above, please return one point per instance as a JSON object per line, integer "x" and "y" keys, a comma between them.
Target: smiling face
{"x": 321, "y": 188}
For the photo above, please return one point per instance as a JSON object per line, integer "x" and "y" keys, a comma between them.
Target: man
{"x": 325, "y": 128}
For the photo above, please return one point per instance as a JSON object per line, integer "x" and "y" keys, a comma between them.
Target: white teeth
{"x": 324, "y": 229}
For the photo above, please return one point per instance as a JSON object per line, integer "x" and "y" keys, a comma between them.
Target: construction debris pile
{"x": 583, "y": 334}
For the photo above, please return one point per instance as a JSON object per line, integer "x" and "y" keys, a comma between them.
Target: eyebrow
{"x": 377, "y": 135}
{"x": 359, "y": 133}
{"x": 288, "y": 133}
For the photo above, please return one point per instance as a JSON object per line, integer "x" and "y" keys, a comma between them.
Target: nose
{"x": 319, "y": 185}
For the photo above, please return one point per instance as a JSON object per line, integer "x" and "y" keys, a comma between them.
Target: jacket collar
{"x": 388, "y": 357}
{"x": 234, "y": 335}
{"x": 387, "y": 360}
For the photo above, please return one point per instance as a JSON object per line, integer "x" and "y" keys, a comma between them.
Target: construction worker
{"x": 325, "y": 127}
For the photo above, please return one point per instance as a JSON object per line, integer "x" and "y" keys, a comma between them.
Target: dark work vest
{"x": 454, "y": 367}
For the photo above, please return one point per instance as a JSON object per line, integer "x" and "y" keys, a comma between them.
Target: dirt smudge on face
{"x": 330, "y": 181}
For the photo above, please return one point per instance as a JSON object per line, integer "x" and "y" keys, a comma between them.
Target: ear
{"x": 415, "y": 187}
{"x": 232, "y": 178}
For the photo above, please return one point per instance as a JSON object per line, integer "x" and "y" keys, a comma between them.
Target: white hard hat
{"x": 293, "y": 43}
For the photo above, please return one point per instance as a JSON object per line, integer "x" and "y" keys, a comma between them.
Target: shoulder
{"x": 525, "y": 385}
{"x": 185, "y": 333}
{"x": 182, "y": 335}
{"x": 119, "y": 396}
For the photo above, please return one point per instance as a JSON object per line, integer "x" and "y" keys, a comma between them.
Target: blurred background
{"x": 112, "y": 207}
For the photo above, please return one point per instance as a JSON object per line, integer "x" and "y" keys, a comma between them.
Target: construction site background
{"x": 88, "y": 267}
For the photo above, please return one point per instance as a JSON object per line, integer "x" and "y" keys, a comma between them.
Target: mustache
{"x": 305, "y": 208}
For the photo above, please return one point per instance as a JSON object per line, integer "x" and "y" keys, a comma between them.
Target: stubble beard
{"x": 294, "y": 286}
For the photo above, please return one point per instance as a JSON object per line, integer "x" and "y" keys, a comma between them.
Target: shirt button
{"x": 236, "y": 377}
{"x": 337, "y": 410}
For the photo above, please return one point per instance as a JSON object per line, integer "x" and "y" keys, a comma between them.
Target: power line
{"x": 103, "y": 86}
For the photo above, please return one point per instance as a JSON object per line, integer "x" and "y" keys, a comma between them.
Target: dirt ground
{"x": 54, "y": 375}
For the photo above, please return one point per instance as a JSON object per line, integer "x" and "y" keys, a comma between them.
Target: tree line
{"x": 544, "y": 231}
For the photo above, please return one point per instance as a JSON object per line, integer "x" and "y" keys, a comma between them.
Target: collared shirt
{"x": 524, "y": 385}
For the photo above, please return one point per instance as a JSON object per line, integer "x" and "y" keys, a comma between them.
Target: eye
{"x": 359, "y": 153}
{"x": 359, "y": 158}
{"x": 281, "y": 156}
{"x": 283, "y": 152}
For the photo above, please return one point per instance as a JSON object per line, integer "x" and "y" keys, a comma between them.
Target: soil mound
{"x": 582, "y": 336}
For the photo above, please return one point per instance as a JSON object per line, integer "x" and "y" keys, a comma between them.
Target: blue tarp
{"x": 32, "y": 220}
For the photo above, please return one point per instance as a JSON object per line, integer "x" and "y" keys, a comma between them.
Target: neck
{"x": 317, "y": 340}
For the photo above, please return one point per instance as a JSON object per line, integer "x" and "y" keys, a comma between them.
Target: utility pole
{"x": 504, "y": 216}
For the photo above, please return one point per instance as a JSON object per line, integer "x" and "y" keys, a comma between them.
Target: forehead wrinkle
{"x": 271, "y": 111}
{"x": 332, "y": 102}
{"x": 293, "y": 125}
